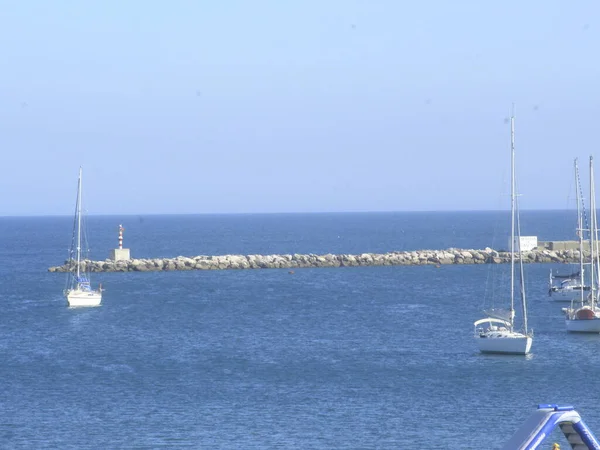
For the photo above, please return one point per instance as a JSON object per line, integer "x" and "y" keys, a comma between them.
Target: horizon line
{"x": 285, "y": 213}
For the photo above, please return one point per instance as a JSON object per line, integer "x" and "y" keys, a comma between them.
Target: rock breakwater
{"x": 291, "y": 261}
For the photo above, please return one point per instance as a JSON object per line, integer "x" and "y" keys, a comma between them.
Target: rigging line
{"x": 521, "y": 271}
{"x": 585, "y": 219}
{"x": 569, "y": 200}
{"x": 491, "y": 288}
{"x": 72, "y": 247}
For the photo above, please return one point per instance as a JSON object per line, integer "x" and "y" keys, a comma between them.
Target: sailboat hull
{"x": 514, "y": 344}
{"x": 567, "y": 294}
{"x": 77, "y": 298}
{"x": 583, "y": 325}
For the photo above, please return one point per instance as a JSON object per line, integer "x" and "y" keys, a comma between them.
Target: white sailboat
{"x": 496, "y": 333}
{"x": 79, "y": 291}
{"x": 566, "y": 288}
{"x": 570, "y": 287}
{"x": 585, "y": 318}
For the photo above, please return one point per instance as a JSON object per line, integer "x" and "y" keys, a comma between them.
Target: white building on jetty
{"x": 527, "y": 243}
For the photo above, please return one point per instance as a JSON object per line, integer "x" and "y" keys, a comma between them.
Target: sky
{"x": 294, "y": 106}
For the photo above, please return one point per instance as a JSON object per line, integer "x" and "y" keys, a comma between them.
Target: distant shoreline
{"x": 196, "y": 214}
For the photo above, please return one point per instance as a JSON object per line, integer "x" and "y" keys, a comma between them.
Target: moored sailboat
{"x": 496, "y": 333}
{"x": 571, "y": 286}
{"x": 566, "y": 287}
{"x": 585, "y": 318}
{"x": 79, "y": 291}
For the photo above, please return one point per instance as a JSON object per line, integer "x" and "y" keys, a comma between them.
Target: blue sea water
{"x": 363, "y": 357}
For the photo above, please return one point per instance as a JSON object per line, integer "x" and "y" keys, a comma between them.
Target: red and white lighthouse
{"x": 121, "y": 229}
{"x": 120, "y": 253}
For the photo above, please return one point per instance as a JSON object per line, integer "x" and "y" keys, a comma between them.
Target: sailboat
{"x": 79, "y": 291}
{"x": 585, "y": 318}
{"x": 565, "y": 287}
{"x": 570, "y": 287}
{"x": 496, "y": 333}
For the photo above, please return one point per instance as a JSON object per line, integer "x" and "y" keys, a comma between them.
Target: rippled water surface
{"x": 372, "y": 357}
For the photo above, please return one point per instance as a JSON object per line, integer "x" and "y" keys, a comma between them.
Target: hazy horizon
{"x": 288, "y": 213}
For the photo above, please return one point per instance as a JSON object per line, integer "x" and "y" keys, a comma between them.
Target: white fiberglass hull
{"x": 509, "y": 343}
{"x": 76, "y": 297}
{"x": 582, "y": 320}
{"x": 567, "y": 295}
{"x": 583, "y": 325}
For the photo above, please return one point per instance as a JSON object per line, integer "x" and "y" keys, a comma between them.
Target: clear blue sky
{"x": 284, "y": 106}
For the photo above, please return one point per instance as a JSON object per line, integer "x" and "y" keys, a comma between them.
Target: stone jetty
{"x": 292, "y": 261}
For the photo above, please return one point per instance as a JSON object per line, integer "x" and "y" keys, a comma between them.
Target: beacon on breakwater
{"x": 120, "y": 253}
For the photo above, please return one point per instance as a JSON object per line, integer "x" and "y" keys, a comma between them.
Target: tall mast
{"x": 592, "y": 228}
{"x": 596, "y": 262}
{"x": 78, "y": 223}
{"x": 579, "y": 230}
{"x": 515, "y": 212}
{"x": 512, "y": 219}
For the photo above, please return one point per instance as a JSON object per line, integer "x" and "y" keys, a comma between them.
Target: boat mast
{"x": 518, "y": 218}
{"x": 579, "y": 230}
{"x": 596, "y": 262}
{"x": 78, "y": 223}
{"x": 593, "y": 227}
{"x": 512, "y": 219}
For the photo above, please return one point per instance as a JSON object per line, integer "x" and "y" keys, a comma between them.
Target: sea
{"x": 325, "y": 358}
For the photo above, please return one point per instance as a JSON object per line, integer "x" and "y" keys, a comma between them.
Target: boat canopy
{"x": 573, "y": 275}
{"x": 492, "y": 320}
